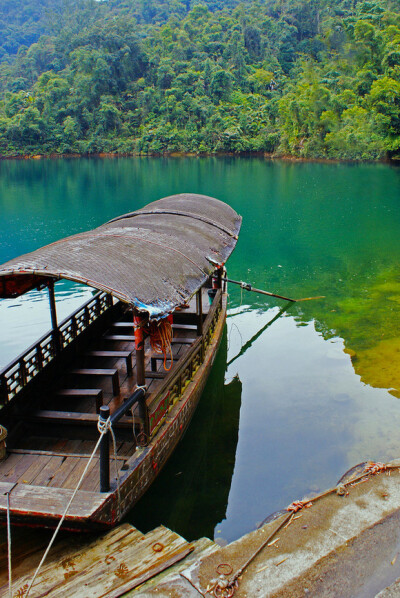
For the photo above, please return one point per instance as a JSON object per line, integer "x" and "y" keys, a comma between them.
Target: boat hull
{"x": 38, "y": 506}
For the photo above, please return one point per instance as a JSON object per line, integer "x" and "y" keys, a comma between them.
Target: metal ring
{"x": 224, "y": 569}
{"x": 141, "y": 439}
{"x": 158, "y": 547}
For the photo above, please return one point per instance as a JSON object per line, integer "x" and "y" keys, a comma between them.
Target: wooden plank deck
{"x": 59, "y": 435}
{"x": 52, "y": 500}
{"x": 108, "y": 567}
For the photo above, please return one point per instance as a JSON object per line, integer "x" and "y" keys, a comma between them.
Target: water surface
{"x": 299, "y": 392}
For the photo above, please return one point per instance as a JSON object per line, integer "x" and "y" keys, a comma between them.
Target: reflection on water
{"x": 319, "y": 381}
{"x": 305, "y": 417}
{"x": 191, "y": 495}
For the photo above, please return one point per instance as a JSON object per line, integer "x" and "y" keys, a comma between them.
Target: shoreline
{"x": 266, "y": 155}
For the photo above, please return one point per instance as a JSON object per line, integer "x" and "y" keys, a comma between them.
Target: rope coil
{"x": 161, "y": 340}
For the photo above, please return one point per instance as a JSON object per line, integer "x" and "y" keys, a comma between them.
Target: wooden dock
{"x": 85, "y": 566}
{"x": 346, "y": 539}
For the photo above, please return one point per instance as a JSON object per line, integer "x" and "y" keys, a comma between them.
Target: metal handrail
{"x": 135, "y": 398}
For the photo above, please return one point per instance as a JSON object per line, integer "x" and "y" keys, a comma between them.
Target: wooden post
{"x": 105, "y": 453}
{"x": 3, "y": 390}
{"x": 53, "y": 314}
{"x": 219, "y": 277}
{"x": 140, "y": 370}
{"x": 199, "y": 312}
{"x": 22, "y": 369}
{"x": 139, "y": 349}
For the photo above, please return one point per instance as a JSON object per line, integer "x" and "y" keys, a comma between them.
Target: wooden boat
{"x": 99, "y": 370}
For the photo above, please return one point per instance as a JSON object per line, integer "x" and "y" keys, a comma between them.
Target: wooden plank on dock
{"x": 110, "y": 566}
{"x": 28, "y": 548}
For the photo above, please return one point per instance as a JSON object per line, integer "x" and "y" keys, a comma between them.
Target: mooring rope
{"x": 103, "y": 428}
{"x": 226, "y": 587}
{"x": 9, "y": 545}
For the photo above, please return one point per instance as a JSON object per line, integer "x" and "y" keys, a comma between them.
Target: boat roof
{"x": 153, "y": 259}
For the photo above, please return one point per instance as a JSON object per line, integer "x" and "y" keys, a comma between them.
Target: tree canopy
{"x": 305, "y": 78}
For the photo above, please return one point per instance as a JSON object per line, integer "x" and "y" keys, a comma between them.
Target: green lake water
{"x": 299, "y": 393}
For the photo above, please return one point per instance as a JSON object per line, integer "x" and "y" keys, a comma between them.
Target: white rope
{"x": 103, "y": 428}
{"x": 9, "y": 546}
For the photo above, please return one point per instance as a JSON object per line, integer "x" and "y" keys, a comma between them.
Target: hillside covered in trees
{"x": 307, "y": 78}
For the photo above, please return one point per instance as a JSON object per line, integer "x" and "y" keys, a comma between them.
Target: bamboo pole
{"x": 247, "y": 287}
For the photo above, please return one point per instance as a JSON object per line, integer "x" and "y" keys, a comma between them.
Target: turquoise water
{"x": 289, "y": 406}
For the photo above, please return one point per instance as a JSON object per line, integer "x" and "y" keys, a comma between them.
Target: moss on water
{"x": 375, "y": 353}
{"x": 379, "y": 366}
{"x": 365, "y": 312}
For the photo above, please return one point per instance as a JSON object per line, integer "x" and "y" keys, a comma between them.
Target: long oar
{"x": 247, "y": 287}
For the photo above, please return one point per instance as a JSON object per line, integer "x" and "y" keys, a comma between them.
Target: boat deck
{"x": 52, "y": 441}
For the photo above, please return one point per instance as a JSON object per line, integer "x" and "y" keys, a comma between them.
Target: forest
{"x": 303, "y": 78}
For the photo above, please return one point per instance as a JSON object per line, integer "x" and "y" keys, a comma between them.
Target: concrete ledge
{"x": 338, "y": 546}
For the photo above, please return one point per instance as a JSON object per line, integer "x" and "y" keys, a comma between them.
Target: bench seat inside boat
{"x": 54, "y": 438}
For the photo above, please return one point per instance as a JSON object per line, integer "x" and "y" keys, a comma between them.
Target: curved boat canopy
{"x": 153, "y": 259}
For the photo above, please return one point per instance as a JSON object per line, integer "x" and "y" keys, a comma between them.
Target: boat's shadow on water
{"x": 191, "y": 494}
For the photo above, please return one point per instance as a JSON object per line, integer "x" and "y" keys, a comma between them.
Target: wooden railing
{"x": 177, "y": 380}
{"x": 15, "y": 376}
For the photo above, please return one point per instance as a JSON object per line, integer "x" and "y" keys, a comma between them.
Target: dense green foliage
{"x": 303, "y": 77}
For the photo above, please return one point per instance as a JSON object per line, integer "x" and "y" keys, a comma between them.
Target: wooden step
{"x": 74, "y": 417}
{"x": 96, "y": 393}
{"x": 182, "y": 341}
{"x": 128, "y": 338}
{"x": 178, "y": 326}
{"x": 119, "y": 337}
{"x": 112, "y": 565}
{"x": 112, "y": 373}
{"x": 162, "y": 583}
{"x": 127, "y": 355}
